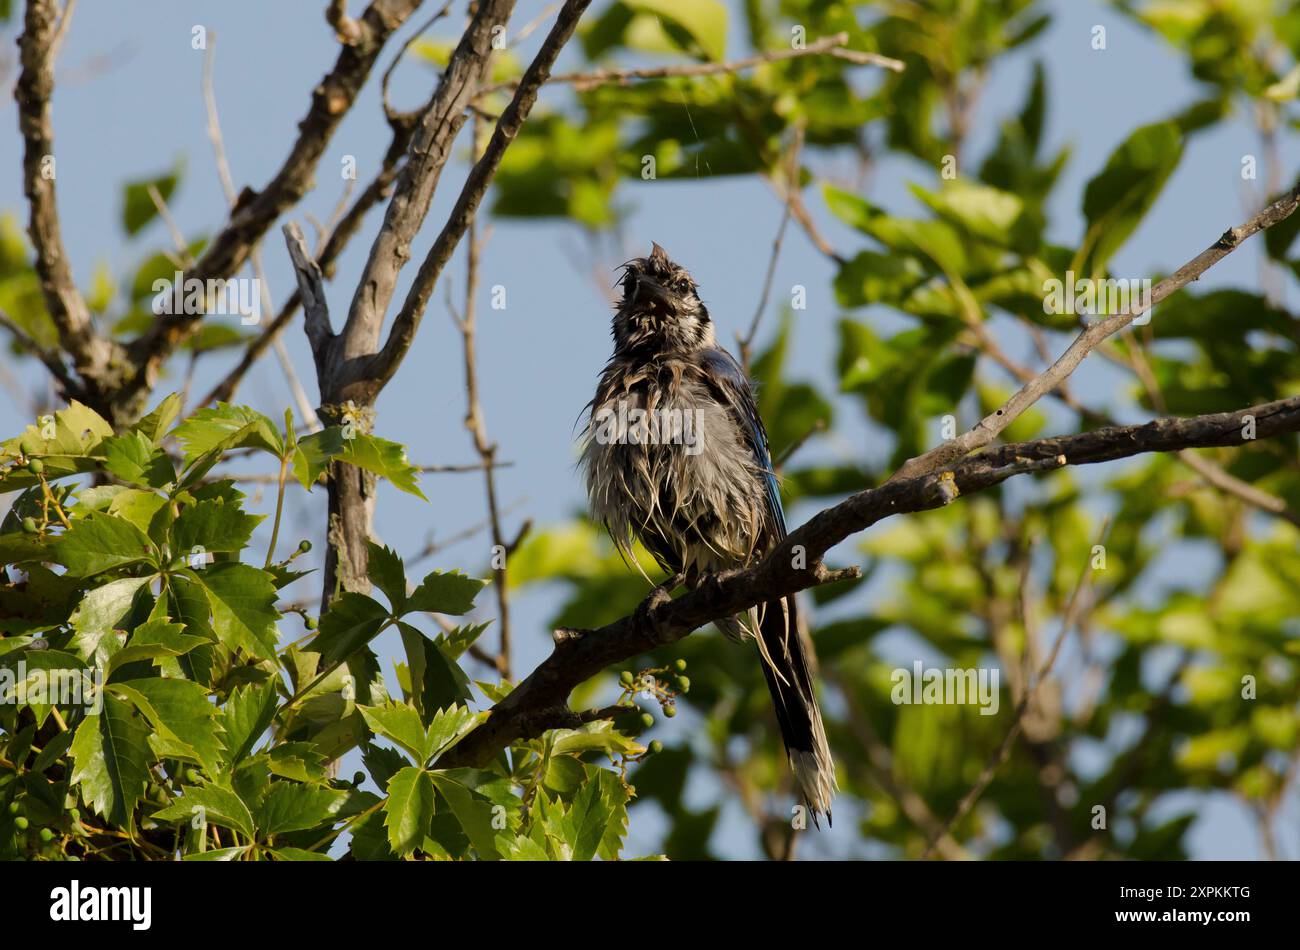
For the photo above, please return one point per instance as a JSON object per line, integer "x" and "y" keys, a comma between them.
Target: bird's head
{"x": 660, "y": 310}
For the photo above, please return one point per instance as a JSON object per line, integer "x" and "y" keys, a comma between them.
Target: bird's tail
{"x": 786, "y": 668}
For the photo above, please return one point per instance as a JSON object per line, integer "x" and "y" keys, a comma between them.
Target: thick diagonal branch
{"x": 540, "y": 701}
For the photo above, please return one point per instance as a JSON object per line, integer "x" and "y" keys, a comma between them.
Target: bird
{"x": 675, "y": 455}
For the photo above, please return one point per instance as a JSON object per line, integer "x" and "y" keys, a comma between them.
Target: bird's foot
{"x": 658, "y": 596}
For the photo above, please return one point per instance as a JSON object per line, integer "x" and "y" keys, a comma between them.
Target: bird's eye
{"x": 682, "y": 285}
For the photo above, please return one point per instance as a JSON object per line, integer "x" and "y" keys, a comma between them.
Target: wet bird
{"x": 675, "y": 456}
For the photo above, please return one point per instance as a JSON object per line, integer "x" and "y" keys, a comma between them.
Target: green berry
{"x": 670, "y": 710}
{"x": 29, "y": 525}
{"x": 647, "y": 720}
{"x": 310, "y": 622}
{"x": 680, "y": 666}
{"x": 15, "y": 808}
{"x": 304, "y": 546}
{"x": 192, "y": 776}
{"x": 685, "y": 683}
{"x": 656, "y": 747}
{"x": 21, "y": 823}
{"x": 46, "y": 835}
{"x": 357, "y": 779}
{"x": 36, "y": 466}
{"x": 626, "y": 678}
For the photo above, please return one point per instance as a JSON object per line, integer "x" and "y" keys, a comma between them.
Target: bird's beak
{"x": 647, "y": 288}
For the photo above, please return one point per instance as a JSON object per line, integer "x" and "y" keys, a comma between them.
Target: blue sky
{"x": 128, "y": 105}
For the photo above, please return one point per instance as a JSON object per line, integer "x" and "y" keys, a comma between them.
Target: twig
{"x": 745, "y": 343}
{"x": 832, "y": 46}
{"x": 474, "y": 424}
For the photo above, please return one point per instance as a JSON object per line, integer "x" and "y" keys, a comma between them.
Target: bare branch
{"x": 832, "y": 46}
{"x": 254, "y": 212}
{"x": 33, "y": 92}
{"x": 311, "y": 288}
{"x": 382, "y": 367}
{"x": 427, "y": 155}
{"x": 486, "y": 449}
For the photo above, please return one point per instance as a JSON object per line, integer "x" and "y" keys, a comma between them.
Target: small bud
{"x": 29, "y": 525}
{"x": 670, "y": 710}
{"x": 310, "y": 622}
{"x": 647, "y": 720}
{"x": 21, "y": 823}
{"x": 680, "y": 666}
{"x": 46, "y": 835}
{"x": 192, "y": 776}
{"x": 358, "y": 778}
{"x": 304, "y": 546}
{"x": 15, "y": 808}
{"x": 656, "y": 747}
{"x": 626, "y": 678}
{"x": 36, "y": 466}
{"x": 685, "y": 683}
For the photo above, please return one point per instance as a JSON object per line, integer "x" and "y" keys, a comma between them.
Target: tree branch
{"x": 579, "y": 655}
{"x": 255, "y": 212}
{"x": 832, "y": 46}
{"x": 67, "y": 308}
{"x": 427, "y": 155}
{"x": 381, "y": 368}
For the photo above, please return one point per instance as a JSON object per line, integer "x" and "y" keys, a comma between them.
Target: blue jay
{"x": 676, "y": 456}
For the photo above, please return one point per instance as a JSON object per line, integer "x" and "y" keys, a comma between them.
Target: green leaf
{"x": 138, "y": 207}
{"x": 100, "y": 614}
{"x": 243, "y": 607}
{"x": 435, "y": 679}
{"x": 388, "y": 574}
{"x": 445, "y": 593}
{"x": 134, "y": 458}
{"x": 384, "y": 458}
{"x": 213, "y": 526}
{"x": 409, "y": 809}
{"x": 352, "y": 621}
{"x": 228, "y": 427}
{"x": 291, "y": 807}
{"x": 111, "y": 760}
{"x": 474, "y": 813}
{"x": 100, "y": 542}
{"x": 400, "y": 723}
{"x": 182, "y": 713}
{"x": 314, "y": 452}
{"x": 150, "y": 641}
{"x": 246, "y": 715}
{"x": 156, "y": 423}
{"x": 457, "y": 640}
{"x": 1116, "y": 200}
{"x": 210, "y": 804}
{"x": 68, "y": 443}
{"x": 219, "y": 854}
{"x": 702, "y": 21}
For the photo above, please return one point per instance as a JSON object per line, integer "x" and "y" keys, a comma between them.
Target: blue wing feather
{"x": 734, "y": 390}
